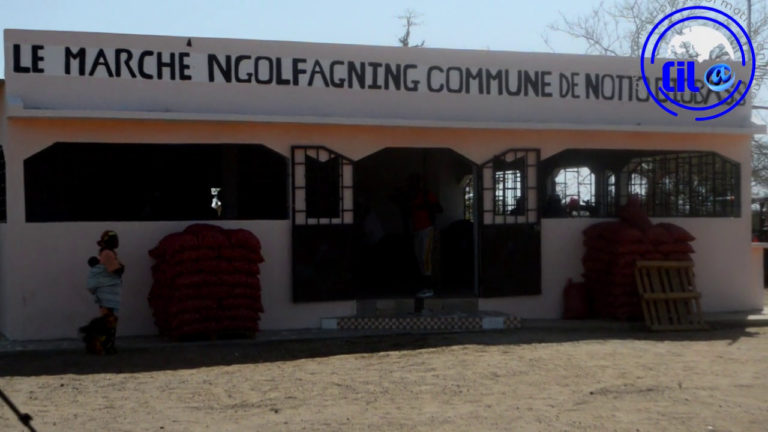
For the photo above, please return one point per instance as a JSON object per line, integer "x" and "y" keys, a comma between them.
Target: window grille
{"x": 509, "y": 188}
{"x": 469, "y": 197}
{"x": 686, "y": 184}
{"x": 322, "y": 187}
{"x": 576, "y": 188}
{"x": 610, "y": 194}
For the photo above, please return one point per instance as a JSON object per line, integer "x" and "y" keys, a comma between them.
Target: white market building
{"x": 306, "y": 141}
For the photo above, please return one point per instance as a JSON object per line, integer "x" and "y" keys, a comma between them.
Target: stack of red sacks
{"x": 206, "y": 282}
{"x": 612, "y": 248}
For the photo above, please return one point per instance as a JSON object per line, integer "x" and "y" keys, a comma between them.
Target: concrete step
{"x": 424, "y": 322}
{"x": 437, "y": 305}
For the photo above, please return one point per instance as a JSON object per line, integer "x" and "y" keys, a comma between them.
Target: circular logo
{"x": 703, "y": 72}
{"x": 719, "y": 77}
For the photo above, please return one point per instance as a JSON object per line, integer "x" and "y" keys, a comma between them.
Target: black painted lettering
{"x": 317, "y": 69}
{"x": 225, "y": 70}
{"x": 335, "y": 80}
{"x": 565, "y": 85}
{"x": 592, "y": 83}
{"x": 477, "y": 77}
{"x": 37, "y": 58}
{"x": 17, "y": 66}
{"x": 101, "y": 61}
{"x": 611, "y": 92}
{"x": 357, "y": 72}
{"x": 184, "y": 67}
{"x": 298, "y": 70}
{"x": 70, "y": 55}
{"x": 142, "y": 58}
{"x": 546, "y": 82}
{"x": 279, "y": 72}
{"x": 409, "y": 84}
{"x": 530, "y": 83}
{"x": 517, "y": 90}
{"x": 430, "y": 87}
{"x": 496, "y": 77}
{"x": 257, "y": 68}
{"x": 239, "y": 77}
{"x": 375, "y": 84}
{"x": 120, "y": 62}
{"x": 170, "y": 65}
{"x": 460, "y": 79}
{"x": 575, "y": 85}
{"x": 393, "y": 75}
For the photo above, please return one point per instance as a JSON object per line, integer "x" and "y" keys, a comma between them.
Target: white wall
{"x": 45, "y": 274}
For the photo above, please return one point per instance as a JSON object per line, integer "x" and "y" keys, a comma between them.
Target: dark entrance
{"x": 353, "y": 224}
{"x": 510, "y": 234}
{"x": 384, "y": 196}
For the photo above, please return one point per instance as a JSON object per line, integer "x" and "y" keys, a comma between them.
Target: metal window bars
{"x": 313, "y": 199}
{"x": 685, "y": 184}
{"x": 509, "y": 188}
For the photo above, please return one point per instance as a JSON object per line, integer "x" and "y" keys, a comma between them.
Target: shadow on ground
{"x": 175, "y": 356}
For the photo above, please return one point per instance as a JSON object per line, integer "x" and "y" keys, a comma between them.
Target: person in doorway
{"x": 424, "y": 208}
{"x": 104, "y": 283}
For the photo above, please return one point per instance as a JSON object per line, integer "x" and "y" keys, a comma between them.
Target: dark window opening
{"x": 671, "y": 184}
{"x": 469, "y": 198}
{"x": 576, "y": 188}
{"x": 508, "y": 187}
{"x": 155, "y": 182}
{"x": 610, "y": 194}
{"x": 323, "y": 187}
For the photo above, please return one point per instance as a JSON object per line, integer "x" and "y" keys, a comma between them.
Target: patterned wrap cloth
{"x": 105, "y": 287}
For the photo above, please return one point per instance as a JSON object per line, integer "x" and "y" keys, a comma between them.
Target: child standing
{"x": 105, "y": 282}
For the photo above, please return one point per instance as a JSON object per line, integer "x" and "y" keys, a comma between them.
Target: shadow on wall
{"x": 196, "y": 355}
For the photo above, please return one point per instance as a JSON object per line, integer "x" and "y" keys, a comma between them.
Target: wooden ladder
{"x": 668, "y": 294}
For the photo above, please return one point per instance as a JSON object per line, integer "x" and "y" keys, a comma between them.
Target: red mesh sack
{"x": 634, "y": 214}
{"x": 596, "y": 230}
{"x": 212, "y": 239}
{"x": 678, "y": 234}
{"x": 244, "y": 239}
{"x": 678, "y": 257}
{"x": 675, "y": 248}
{"x": 657, "y": 235}
{"x": 575, "y": 301}
{"x": 198, "y": 228}
{"x": 622, "y": 233}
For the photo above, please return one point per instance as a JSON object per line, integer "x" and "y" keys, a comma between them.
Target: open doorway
{"x": 393, "y": 212}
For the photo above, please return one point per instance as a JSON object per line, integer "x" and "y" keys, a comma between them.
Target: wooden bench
{"x": 668, "y": 295}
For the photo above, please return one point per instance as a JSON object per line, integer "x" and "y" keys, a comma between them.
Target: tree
{"x": 619, "y": 28}
{"x": 409, "y": 18}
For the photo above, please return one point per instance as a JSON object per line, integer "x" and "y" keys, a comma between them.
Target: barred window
{"x": 610, "y": 194}
{"x": 669, "y": 184}
{"x": 469, "y": 198}
{"x": 155, "y": 182}
{"x": 686, "y": 184}
{"x": 576, "y": 188}
{"x": 508, "y": 192}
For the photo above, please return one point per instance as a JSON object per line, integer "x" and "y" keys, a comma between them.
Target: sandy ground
{"x": 524, "y": 380}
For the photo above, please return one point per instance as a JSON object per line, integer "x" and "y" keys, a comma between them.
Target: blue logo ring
{"x": 708, "y": 107}
{"x": 751, "y": 49}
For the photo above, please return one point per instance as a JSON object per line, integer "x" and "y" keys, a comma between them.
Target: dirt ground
{"x": 523, "y": 380}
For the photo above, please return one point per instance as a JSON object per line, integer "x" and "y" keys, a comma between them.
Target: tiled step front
{"x": 424, "y": 322}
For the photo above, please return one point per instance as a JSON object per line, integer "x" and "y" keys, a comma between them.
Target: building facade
{"x": 310, "y": 147}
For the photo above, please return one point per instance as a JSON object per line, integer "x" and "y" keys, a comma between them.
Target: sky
{"x": 509, "y": 25}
